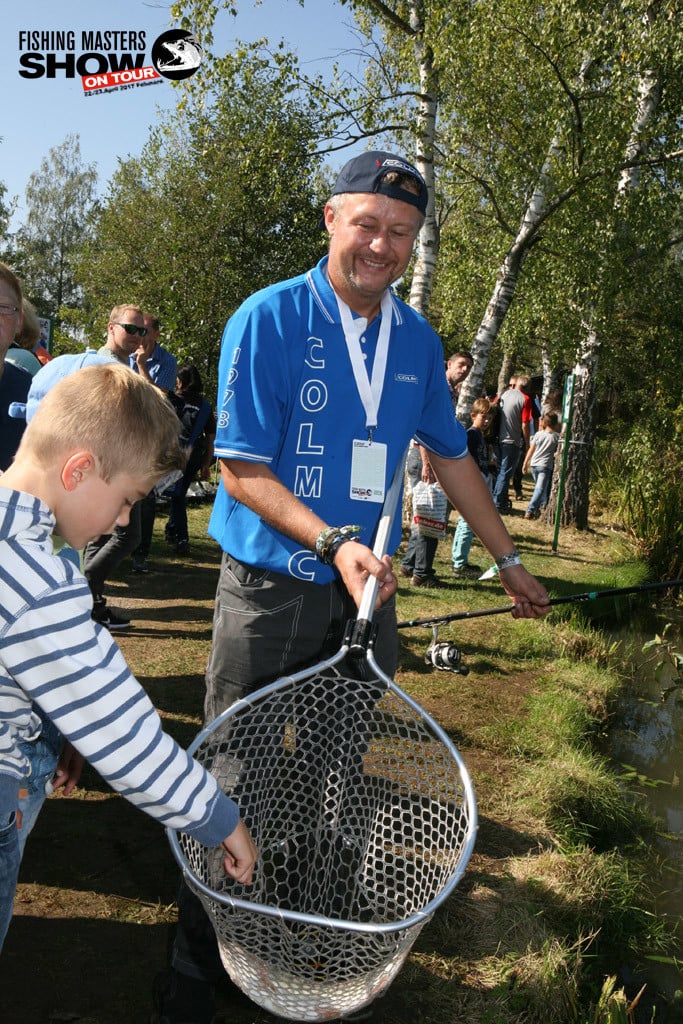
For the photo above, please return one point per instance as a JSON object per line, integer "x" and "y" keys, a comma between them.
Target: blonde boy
{"x": 540, "y": 459}
{"x": 77, "y": 474}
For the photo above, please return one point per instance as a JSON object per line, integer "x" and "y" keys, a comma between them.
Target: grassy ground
{"x": 549, "y": 903}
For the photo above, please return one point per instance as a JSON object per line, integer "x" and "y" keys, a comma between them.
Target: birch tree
{"x": 408, "y": 30}
{"x": 647, "y": 135}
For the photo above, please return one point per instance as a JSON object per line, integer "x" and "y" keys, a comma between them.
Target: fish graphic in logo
{"x": 176, "y": 54}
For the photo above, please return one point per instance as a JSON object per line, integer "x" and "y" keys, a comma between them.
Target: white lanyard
{"x": 369, "y": 390}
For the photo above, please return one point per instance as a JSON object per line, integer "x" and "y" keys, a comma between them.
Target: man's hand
{"x": 427, "y": 475}
{"x": 144, "y": 349}
{"x": 530, "y": 597}
{"x": 355, "y": 563}
{"x": 241, "y": 854}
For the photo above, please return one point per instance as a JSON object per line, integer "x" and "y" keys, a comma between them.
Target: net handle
{"x": 367, "y": 604}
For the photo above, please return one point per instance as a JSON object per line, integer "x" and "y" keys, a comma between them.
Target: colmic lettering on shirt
{"x": 305, "y": 444}
{"x": 302, "y": 565}
{"x": 315, "y": 362}
{"x": 313, "y": 398}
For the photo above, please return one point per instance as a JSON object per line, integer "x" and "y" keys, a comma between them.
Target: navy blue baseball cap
{"x": 368, "y": 173}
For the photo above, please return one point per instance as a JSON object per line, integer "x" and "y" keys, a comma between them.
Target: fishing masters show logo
{"x": 108, "y": 61}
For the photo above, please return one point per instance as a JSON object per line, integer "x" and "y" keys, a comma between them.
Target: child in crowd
{"x": 480, "y": 414}
{"x": 540, "y": 458}
{"x": 76, "y": 474}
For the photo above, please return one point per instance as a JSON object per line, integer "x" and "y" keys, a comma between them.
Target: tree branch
{"x": 386, "y": 14}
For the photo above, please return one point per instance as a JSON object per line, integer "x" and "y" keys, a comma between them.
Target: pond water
{"x": 647, "y": 737}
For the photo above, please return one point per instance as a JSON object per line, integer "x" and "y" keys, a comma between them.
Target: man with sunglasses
{"x": 125, "y": 330}
{"x": 151, "y": 360}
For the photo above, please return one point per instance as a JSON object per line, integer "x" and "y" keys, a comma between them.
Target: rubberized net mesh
{"x": 364, "y": 817}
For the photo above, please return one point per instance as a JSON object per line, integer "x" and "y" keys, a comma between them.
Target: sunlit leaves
{"x": 225, "y": 199}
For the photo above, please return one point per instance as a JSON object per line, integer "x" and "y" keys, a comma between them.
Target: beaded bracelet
{"x": 507, "y": 561}
{"x": 331, "y": 539}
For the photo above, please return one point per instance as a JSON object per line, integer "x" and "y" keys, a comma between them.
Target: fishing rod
{"x": 591, "y": 595}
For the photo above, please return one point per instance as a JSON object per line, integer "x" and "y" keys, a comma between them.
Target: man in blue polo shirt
{"x": 323, "y": 381}
{"x": 151, "y": 360}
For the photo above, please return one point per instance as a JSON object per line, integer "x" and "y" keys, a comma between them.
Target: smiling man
{"x": 323, "y": 381}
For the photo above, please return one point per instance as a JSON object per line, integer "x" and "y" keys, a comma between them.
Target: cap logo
{"x": 366, "y": 174}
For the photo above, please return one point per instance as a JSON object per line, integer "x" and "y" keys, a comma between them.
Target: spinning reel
{"x": 444, "y": 656}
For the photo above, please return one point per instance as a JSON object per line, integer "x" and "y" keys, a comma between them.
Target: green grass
{"x": 557, "y": 894}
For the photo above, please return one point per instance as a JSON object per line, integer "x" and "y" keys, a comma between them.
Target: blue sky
{"x": 38, "y": 113}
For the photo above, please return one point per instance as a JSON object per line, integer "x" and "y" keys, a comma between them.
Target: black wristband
{"x": 330, "y": 540}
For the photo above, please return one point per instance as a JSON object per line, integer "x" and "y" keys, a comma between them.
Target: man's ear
{"x": 328, "y": 218}
{"x": 76, "y": 468}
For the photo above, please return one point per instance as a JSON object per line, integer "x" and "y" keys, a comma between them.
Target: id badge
{"x": 368, "y": 471}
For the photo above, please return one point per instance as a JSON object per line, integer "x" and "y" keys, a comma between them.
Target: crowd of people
{"x": 325, "y": 380}
{"x": 132, "y": 340}
{"x": 512, "y": 434}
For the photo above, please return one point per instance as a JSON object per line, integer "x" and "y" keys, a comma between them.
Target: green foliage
{"x": 614, "y": 1007}
{"x": 668, "y": 670}
{"x": 5, "y": 215}
{"x": 225, "y": 199}
{"x": 651, "y": 496}
{"x": 60, "y": 199}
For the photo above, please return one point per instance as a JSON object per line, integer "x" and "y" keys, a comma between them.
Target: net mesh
{"x": 363, "y": 816}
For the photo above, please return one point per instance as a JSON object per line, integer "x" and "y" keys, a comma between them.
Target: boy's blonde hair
{"x": 480, "y": 405}
{"x": 108, "y": 410}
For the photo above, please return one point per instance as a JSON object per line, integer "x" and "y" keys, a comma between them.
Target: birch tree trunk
{"x": 507, "y": 368}
{"x": 577, "y": 482}
{"x": 532, "y": 220}
{"x": 507, "y": 278}
{"x": 428, "y": 239}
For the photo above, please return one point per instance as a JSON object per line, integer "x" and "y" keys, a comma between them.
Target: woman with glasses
{"x": 14, "y": 381}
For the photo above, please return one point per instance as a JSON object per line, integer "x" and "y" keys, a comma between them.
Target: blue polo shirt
{"x": 14, "y": 387}
{"x": 161, "y": 366}
{"x": 287, "y": 398}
